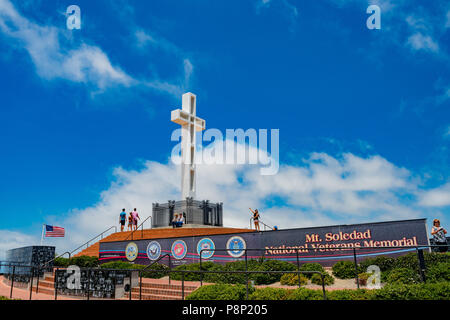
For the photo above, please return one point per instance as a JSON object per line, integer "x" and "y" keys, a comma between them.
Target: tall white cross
{"x": 190, "y": 124}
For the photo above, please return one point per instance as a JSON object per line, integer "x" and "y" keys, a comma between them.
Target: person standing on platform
{"x": 255, "y": 218}
{"x": 136, "y": 217}
{"x": 438, "y": 234}
{"x": 130, "y": 222}
{"x": 123, "y": 218}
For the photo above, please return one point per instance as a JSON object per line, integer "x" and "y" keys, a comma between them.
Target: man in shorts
{"x": 122, "y": 219}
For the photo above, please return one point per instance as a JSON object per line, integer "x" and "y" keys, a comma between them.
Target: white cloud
{"x": 418, "y": 41}
{"x": 87, "y": 64}
{"x": 437, "y": 197}
{"x": 14, "y": 239}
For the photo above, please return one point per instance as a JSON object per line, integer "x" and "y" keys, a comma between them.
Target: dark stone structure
{"x": 21, "y": 260}
{"x": 194, "y": 212}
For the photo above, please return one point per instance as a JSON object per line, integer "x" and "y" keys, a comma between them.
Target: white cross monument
{"x": 190, "y": 124}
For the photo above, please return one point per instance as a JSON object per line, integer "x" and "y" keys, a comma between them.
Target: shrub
{"x": 403, "y": 275}
{"x": 220, "y": 292}
{"x": 61, "y": 262}
{"x": 317, "y": 279}
{"x": 270, "y": 294}
{"x": 291, "y": 279}
{"x": 84, "y": 262}
{"x": 270, "y": 265}
{"x": 311, "y": 267}
{"x": 438, "y": 272}
{"x": 122, "y": 265}
{"x": 428, "y": 291}
{"x": 344, "y": 270}
{"x": 347, "y": 294}
{"x": 305, "y": 294}
{"x": 383, "y": 262}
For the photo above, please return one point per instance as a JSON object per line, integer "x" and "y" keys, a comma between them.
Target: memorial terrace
{"x": 160, "y": 233}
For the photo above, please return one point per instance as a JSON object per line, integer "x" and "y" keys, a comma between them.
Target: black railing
{"x": 260, "y": 222}
{"x": 137, "y": 228}
{"x": 147, "y": 267}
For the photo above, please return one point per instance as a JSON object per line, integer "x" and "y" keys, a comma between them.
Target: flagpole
{"x": 42, "y": 235}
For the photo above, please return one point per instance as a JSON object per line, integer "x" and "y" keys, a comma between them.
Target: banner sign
{"x": 324, "y": 245}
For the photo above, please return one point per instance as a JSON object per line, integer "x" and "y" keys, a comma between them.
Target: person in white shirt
{"x": 438, "y": 234}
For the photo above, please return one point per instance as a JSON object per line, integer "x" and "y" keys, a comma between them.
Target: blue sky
{"x": 85, "y": 114}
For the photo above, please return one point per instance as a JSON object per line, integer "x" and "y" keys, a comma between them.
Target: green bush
{"x": 82, "y": 262}
{"x": 61, "y": 262}
{"x": 270, "y": 265}
{"x": 427, "y": 291}
{"x": 305, "y": 294}
{"x": 270, "y": 294}
{"x": 438, "y": 272}
{"x": 344, "y": 270}
{"x": 207, "y": 277}
{"x": 317, "y": 279}
{"x": 291, "y": 279}
{"x": 423, "y": 291}
{"x": 311, "y": 267}
{"x": 220, "y": 292}
{"x": 403, "y": 275}
{"x": 237, "y": 278}
{"x": 123, "y": 265}
{"x": 383, "y": 262}
{"x": 348, "y": 294}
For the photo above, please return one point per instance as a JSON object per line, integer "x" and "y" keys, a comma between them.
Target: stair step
{"x": 44, "y": 290}
{"x": 135, "y": 296}
{"x": 167, "y": 286}
{"x": 161, "y": 292}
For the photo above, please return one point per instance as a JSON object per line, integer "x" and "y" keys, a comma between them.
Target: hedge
{"x": 423, "y": 291}
{"x": 220, "y": 292}
{"x": 122, "y": 265}
{"x": 291, "y": 279}
{"x": 344, "y": 270}
{"x": 236, "y": 278}
{"x": 82, "y": 262}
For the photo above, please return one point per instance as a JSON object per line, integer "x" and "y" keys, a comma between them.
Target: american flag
{"x": 51, "y": 231}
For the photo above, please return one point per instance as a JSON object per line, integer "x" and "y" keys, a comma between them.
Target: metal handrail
{"x": 46, "y": 263}
{"x": 139, "y": 226}
{"x": 99, "y": 235}
{"x": 142, "y": 271}
{"x": 265, "y": 225}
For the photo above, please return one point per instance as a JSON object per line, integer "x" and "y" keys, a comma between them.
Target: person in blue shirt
{"x": 123, "y": 218}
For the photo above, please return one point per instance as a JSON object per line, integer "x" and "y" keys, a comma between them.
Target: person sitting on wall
{"x": 180, "y": 221}
{"x": 175, "y": 220}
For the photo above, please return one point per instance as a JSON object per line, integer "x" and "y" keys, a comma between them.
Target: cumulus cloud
{"x": 87, "y": 64}
{"x": 437, "y": 197}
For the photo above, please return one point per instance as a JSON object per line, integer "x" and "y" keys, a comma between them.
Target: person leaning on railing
{"x": 438, "y": 234}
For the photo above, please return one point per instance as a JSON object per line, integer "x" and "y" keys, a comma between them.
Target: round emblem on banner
{"x": 236, "y": 246}
{"x": 179, "y": 249}
{"x": 208, "y": 247}
{"x": 131, "y": 251}
{"x": 153, "y": 250}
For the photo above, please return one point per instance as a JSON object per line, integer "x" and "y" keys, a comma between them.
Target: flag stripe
{"x": 51, "y": 231}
